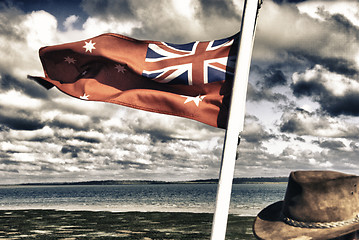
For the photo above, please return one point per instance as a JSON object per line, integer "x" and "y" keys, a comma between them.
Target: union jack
{"x": 190, "y": 64}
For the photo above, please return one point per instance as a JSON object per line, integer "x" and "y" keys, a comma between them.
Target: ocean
{"x": 246, "y": 200}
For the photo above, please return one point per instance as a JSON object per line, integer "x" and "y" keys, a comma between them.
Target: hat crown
{"x": 316, "y": 196}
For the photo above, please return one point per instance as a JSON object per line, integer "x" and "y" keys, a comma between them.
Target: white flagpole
{"x": 235, "y": 119}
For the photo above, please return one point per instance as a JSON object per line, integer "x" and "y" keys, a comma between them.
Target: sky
{"x": 302, "y": 103}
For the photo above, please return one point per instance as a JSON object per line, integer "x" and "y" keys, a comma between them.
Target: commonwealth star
{"x": 196, "y": 100}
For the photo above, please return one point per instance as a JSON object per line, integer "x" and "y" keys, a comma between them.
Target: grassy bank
{"x": 51, "y": 224}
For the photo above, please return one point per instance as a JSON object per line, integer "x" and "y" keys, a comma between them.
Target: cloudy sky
{"x": 302, "y": 104}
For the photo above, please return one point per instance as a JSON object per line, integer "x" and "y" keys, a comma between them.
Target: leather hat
{"x": 317, "y": 205}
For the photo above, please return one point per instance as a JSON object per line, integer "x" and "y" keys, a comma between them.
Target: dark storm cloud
{"x": 264, "y": 94}
{"x": 162, "y": 130}
{"x": 18, "y": 56}
{"x": 159, "y": 136}
{"x": 88, "y": 139}
{"x": 254, "y": 132}
{"x": 60, "y": 122}
{"x": 30, "y": 88}
{"x": 4, "y": 155}
{"x": 6, "y": 158}
{"x": 9, "y": 17}
{"x": 338, "y": 65}
{"x": 305, "y": 88}
{"x": 334, "y": 145}
{"x": 156, "y": 134}
{"x": 336, "y": 28}
{"x": 345, "y": 105}
{"x": 343, "y": 23}
{"x": 299, "y": 139}
{"x": 266, "y": 79}
{"x": 126, "y": 164}
{"x": 294, "y": 124}
{"x": 8, "y": 162}
{"x": 20, "y": 120}
{"x": 274, "y": 77}
{"x": 257, "y": 137}
{"x": 331, "y": 41}
{"x": 9, "y": 170}
{"x": 271, "y": 76}
{"x": 301, "y": 122}
{"x": 335, "y": 105}
{"x": 119, "y": 9}
{"x": 219, "y": 8}
{"x": 74, "y": 151}
{"x": 48, "y": 169}
{"x": 345, "y": 34}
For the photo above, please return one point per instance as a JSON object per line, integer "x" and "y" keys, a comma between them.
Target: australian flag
{"x": 193, "y": 63}
{"x": 187, "y": 80}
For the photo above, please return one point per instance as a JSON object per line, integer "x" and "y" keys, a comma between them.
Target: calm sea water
{"x": 247, "y": 199}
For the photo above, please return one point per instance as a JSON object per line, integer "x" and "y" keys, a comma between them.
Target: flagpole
{"x": 235, "y": 119}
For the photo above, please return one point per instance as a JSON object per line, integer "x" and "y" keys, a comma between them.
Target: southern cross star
{"x": 84, "y": 97}
{"x": 89, "y": 46}
{"x": 69, "y": 60}
{"x": 120, "y": 68}
{"x": 196, "y": 100}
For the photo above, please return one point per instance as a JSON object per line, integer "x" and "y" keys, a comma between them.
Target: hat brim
{"x": 269, "y": 225}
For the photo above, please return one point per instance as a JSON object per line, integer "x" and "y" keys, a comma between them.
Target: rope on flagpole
{"x": 235, "y": 118}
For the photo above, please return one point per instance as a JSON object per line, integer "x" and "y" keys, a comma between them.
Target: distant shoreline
{"x": 256, "y": 180}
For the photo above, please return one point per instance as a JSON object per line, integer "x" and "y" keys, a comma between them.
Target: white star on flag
{"x": 120, "y": 68}
{"x": 89, "y": 46}
{"x": 85, "y": 97}
{"x": 70, "y": 60}
{"x": 196, "y": 100}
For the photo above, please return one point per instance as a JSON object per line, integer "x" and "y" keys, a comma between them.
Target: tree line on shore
{"x": 203, "y": 181}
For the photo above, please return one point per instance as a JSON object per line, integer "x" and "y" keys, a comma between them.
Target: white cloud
{"x": 336, "y": 84}
{"x": 72, "y": 168}
{"x": 26, "y": 157}
{"x": 185, "y": 8}
{"x": 317, "y": 164}
{"x": 16, "y": 99}
{"x": 40, "y": 29}
{"x": 304, "y": 123}
{"x": 238, "y": 4}
{"x": 315, "y": 9}
{"x": 23, "y": 135}
{"x": 72, "y": 120}
{"x": 96, "y": 26}
{"x": 70, "y": 21}
{"x": 9, "y": 147}
{"x": 19, "y": 48}
{"x": 301, "y": 33}
{"x": 90, "y": 136}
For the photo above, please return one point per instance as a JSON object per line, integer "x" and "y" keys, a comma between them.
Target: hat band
{"x": 319, "y": 225}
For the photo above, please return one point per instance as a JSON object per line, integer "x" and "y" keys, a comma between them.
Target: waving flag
{"x": 191, "y": 80}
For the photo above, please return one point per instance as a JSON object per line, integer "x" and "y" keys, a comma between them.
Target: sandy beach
{"x": 55, "y": 224}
